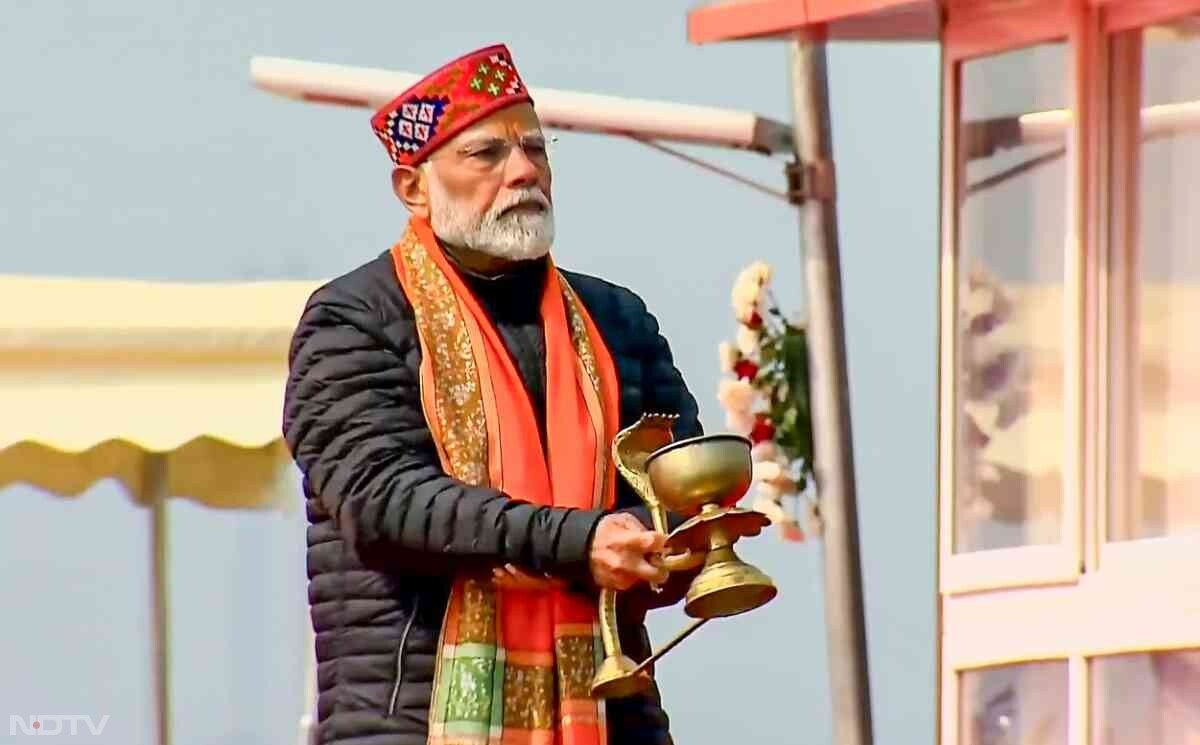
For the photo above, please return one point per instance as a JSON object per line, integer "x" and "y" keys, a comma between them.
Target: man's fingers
{"x": 617, "y": 576}
{"x": 650, "y": 541}
{"x": 621, "y": 580}
{"x": 637, "y": 573}
{"x": 626, "y": 553}
{"x": 641, "y": 541}
{"x": 512, "y": 571}
{"x": 650, "y": 573}
{"x": 629, "y": 521}
{"x": 512, "y": 577}
{"x": 633, "y": 567}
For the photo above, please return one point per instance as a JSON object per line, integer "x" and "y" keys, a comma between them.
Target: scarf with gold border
{"x": 514, "y": 666}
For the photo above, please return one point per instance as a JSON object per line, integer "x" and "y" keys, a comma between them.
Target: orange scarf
{"x": 514, "y": 666}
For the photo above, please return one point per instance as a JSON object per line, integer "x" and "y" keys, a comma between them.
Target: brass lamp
{"x": 693, "y": 478}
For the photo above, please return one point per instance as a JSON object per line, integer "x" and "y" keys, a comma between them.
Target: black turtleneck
{"x": 513, "y": 301}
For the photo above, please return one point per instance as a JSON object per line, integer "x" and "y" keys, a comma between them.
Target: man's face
{"x": 488, "y": 189}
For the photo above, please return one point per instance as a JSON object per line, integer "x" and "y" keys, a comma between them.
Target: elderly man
{"x": 452, "y": 404}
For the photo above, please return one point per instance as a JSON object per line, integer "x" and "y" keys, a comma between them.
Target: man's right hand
{"x": 624, "y": 553}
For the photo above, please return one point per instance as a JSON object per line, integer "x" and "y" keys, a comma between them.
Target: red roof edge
{"x": 745, "y": 19}
{"x": 875, "y": 20}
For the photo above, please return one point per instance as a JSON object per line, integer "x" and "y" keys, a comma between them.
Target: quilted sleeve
{"x": 354, "y": 424}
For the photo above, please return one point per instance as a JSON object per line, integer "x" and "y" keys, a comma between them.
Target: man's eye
{"x": 486, "y": 153}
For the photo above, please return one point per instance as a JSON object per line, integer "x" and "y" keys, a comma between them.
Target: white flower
{"x": 739, "y": 422}
{"x": 748, "y": 290}
{"x": 758, "y": 274}
{"x": 764, "y": 451}
{"x": 729, "y": 356}
{"x": 747, "y": 342}
{"x": 769, "y": 506}
{"x": 775, "y": 476}
{"x": 745, "y": 302}
{"x": 769, "y": 471}
{"x": 736, "y": 395}
{"x": 769, "y": 490}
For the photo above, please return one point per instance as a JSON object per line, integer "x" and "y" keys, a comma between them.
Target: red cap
{"x": 447, "y": 101}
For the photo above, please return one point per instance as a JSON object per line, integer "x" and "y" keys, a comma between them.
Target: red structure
{"x": 1069, "y": 406}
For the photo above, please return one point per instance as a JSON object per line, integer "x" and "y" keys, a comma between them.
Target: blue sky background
{"x": 134, "y": 145}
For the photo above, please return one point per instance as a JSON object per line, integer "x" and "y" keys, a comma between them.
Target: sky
{"x": 134, "y": 145}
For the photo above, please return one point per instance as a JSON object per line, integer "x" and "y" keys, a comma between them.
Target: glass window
{"x": 1146, "y": 699}
{"x": 1023, "y": 704}
{"x": 1012, "y": 230}
{"x": 1155, "y": 424}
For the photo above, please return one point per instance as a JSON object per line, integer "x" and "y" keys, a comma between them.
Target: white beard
{"x": 517, "y": 236}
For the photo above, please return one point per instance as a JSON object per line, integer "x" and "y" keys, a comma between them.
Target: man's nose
{"x": 519, "y": 170}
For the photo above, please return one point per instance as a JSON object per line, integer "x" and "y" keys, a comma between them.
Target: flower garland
{"x": 766, "y": 398}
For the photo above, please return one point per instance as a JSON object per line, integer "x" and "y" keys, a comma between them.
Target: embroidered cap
{"x": 447, "y": 101}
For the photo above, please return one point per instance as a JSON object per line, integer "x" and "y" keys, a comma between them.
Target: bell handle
{"x": 658, "y": 517}
{"x": 683, "y": 561}
{"x": 615, "y": 677}
{"x": 687, "y": 631}
{"x": 658, "y": 513}
{"x": 609, "y": 634}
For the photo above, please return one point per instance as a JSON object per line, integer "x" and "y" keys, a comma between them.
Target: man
{"x": 452, "y": 404}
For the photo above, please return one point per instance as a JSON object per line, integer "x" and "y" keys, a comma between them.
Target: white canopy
{"x": 175, "y": 390}
{"x": 95, "y": 374}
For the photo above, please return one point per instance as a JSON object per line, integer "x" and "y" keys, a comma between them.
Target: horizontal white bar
{"x": 984, "y": 136}
{"x": 558, "y": 109}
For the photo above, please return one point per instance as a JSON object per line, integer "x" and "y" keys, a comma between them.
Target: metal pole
{"x": 834, "y": 460}
{"x": 156, "y": 492}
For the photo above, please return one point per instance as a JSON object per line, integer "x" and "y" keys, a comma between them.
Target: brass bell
{"x": 692, "y": 478}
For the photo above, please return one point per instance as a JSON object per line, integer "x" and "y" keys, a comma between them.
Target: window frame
{"x": 999, "y": 607}
{"x": 1117, "y": 282}
{"x": 985, "y": 30}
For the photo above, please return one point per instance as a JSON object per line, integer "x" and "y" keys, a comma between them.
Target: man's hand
{"x": 511, "y": 578}
{"x": 624, "y": 553}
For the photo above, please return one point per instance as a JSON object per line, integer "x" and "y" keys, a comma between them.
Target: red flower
{"x": 763, "y": 429}
{"x": 755, "y": 321}
{"x": 745, "y": 369}
{"x": 792, "y": 532}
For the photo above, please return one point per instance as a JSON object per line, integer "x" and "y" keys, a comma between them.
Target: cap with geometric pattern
{"x": 447, "y": 101}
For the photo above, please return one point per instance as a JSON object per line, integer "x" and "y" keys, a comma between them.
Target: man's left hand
{"x": 511, "y": 578}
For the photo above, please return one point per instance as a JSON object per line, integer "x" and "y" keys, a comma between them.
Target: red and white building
{"x": 1069, "y": 426}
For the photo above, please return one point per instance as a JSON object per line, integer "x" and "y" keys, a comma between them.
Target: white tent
{"x": 175, "y": 390}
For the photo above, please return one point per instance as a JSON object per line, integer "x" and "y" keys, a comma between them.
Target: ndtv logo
{"x": 49, "y": 725}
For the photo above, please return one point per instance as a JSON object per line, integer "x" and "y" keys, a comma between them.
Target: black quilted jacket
{"x": 388, "y": 528}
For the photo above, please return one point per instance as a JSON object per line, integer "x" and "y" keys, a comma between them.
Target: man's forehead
{"x": 512, "y": 121}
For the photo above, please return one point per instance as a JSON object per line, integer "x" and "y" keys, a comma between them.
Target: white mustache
{"x": 518, "y": 198}
{"x": 514, "y": 236}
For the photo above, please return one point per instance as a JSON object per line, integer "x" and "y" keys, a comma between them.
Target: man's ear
{"x": 411, "y": 187}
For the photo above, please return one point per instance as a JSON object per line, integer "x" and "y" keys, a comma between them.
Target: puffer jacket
{"x": 388, "y": 528}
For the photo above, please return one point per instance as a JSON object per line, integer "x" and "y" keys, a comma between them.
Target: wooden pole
{"x": 815, "y": 191}
{"x": 156, "y": 492}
